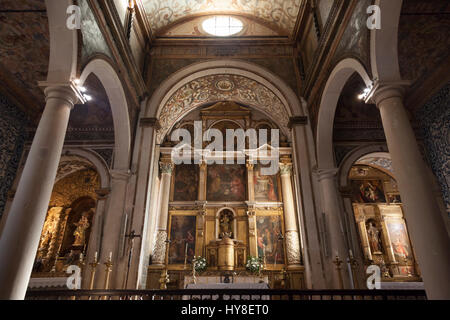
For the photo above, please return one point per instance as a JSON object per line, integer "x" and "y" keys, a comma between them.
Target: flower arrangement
{"x": 254, "y": 265}
{"x": 199, "y": 264}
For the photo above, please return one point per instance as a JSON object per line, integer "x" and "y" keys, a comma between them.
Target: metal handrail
{"x": 219, "y": 294}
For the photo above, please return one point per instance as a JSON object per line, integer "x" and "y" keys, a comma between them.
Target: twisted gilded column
{"x": 425, "y": 222}
{"x": 291, "y": 227}
{"x": 159, "y": 251}
{"x": 23, "y": 227}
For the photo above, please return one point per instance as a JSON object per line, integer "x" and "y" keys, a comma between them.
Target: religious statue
{"x": 226, "y": 224}
{"x": 80, "y": 231}
{"x": 374, "y": 238}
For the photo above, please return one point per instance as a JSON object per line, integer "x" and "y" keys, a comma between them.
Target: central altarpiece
{"x": 227, "y": 213}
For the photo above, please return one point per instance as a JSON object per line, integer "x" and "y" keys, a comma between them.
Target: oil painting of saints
{"x": 269, "y": 239}
{"x": 400, "y": 241}
{"x": 368, "y": 191}
{"x": 182, "y": 239}
{"x": 266, "y": 187}
{"x": 226, "y": 183}
{"x": 186, "y": 182}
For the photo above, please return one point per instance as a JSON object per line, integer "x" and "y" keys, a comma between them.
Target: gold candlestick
{"x": 93, "y": 266}
{"x": 337, "y": 261}
{"x": 164, "y": 280}
{"x": 108, "y": 270}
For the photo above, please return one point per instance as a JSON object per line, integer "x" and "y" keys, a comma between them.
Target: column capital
{"x": 324, "y": 174}
{"x": 285, "y": 169}
{"x": 385, "y": 90}
{"x": 166, "y": 167}
{"x": 67, "y": 91}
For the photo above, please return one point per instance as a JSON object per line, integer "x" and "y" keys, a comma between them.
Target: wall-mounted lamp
{"x": 81, "y": 91}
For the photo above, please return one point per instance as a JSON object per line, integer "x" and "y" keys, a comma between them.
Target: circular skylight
{"x": 222, "y": 26}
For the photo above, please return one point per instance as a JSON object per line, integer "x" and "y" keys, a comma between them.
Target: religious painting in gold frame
{"x": 182, "y": 236}
{"x": 266, "y": 187}
{"x": 226, "y": 183}
{"x": 270, "y": 238}
{"x": 185, "y": 184}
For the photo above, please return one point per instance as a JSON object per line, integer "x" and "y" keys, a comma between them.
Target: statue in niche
{"x": 80, "y": 231}
{"x": 226, "y": 224}
{"x": 374, "y": 237}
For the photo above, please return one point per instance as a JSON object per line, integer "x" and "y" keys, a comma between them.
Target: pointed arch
{"x": 328, "y": 105}
{"x": 118, "y": 101}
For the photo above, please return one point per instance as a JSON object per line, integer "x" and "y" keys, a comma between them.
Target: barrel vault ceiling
{"x": 279, "y": 14}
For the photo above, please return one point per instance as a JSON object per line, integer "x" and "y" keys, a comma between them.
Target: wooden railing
{"x": 267, "y": 295}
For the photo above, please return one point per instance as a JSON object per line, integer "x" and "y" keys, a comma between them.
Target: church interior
{"x": 349, "y": 99}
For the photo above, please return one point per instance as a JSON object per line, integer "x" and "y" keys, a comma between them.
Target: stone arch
{"x": 63, "y": 43}
{"x": 357, "y": 154}
{"x": 328, "y": 105}
{"x": 91, "y": 158}
{"x": 384, "y": 42}
{"x": 119, "y": 106}
{"x": 179, "y": 94}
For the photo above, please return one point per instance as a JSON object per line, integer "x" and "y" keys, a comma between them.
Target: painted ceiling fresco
{"x": 279, "y": 13}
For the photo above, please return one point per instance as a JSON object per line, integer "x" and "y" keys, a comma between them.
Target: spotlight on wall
{"x": 365, "y": 94}
{"x": 82, "y": 91}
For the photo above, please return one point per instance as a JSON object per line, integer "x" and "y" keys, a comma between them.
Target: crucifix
{"x": 131, "y": 237}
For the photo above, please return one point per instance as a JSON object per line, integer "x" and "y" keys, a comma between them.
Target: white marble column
{"x": 113, "y": 236}
{"x": 290, "y": 220}
{"x": 334, "y": 227}
{"x": 159, "y": 252}
{"x": 425, "y": 223}
{"x": 22, "y": 231}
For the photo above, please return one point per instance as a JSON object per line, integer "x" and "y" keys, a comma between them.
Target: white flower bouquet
{"x": 199, "y": 264}
{"x": 254, "y": 265}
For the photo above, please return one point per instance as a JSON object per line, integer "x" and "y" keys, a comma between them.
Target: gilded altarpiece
{"x": 224, "y": 213}
{"x": 68, "y": 224}
{"x": 382, "y": 228}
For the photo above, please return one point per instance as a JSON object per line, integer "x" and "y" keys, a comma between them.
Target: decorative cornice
{"x": 334, "y": 29}
{"x": 112, "y": 29}
{"x": 121, "y": 174}
{"x": 149, "y": 123}
{"x": 297, "y": 121}
{"x": 385, "y": 90}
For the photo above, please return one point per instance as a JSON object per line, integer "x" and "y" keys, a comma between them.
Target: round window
{"x": 221, "y": 26}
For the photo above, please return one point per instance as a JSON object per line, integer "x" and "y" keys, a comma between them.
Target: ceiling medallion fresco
{"x": 281, "y": 13}
{"x": 216, "y": 88}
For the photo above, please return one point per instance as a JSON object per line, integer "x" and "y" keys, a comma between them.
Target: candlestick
{"x": 337, "y": 261}
{"x": 353, "y": 267}
{"x": 185, "y": 256}
{"x": 93, "y": 266}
